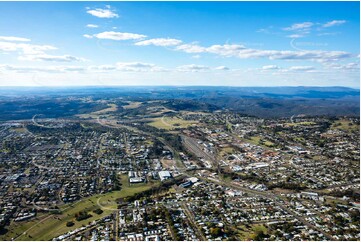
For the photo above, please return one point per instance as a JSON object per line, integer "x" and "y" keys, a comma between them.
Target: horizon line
{"x": 135, "y": 86}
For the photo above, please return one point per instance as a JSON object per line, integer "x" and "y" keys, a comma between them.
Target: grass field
{"x": 345, "y": 125}
{"x": 132, "y": 105}
{"x": 19, "y": 130}
{"x": 249, "y": 233}
{"x": 170, "y": 123}
{"x": 301, "y": 124}
{"x": 55, "y": 225}
{"x": 226, "y": 151}
{"x": 257, "y": 140}
{"x": 111, "y": 108}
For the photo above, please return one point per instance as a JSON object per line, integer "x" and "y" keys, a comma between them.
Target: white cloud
{"x": 103, "y": 68}
{"x": 138, "y": 67}
{"x": 88, "y": 36}
{"x": 11, "y": 38}
{"x": 92, "y": 26}
{"x": 160, "y": 42}
{"x": 103, "y": 13}
{"x": 305, "y": 55}
{"x": 334, "y": 23}
{"x": 120, "y": 66}
{"x": 46, "y": 57}
{"x": 118, "y": 36}
{"x": 301, "y": 68}
{"x": 348, "y": 66}
{"x": 51, "y": 75}
{"x": 45, "y": 69}
{"x": 242, "y": 52}
{"x": 299, "y": 26}
{"x": 25, "y": 48}
{"x": 192, "y": 68}
{"x": 270, "y": 67}
{"x": 191, "y": 48}
{"x": 328, "y": 34}
{"x": 225, "y": 50}
{"x": 222, "y": 68}
{"x": 295, "y": 36}
{"x": 32, "y": 52}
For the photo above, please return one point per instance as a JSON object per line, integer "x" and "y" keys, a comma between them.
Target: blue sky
{"x": 179, "y": 43}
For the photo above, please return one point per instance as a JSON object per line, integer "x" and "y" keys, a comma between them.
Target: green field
{"x": 132, "y": 105}
{"x": 345, "y": 125}
{"x": 55, "y": 225}
{"x": 249, "y": 233}
{"x": 111, "y": 108}
{"x": 227, "y": 151}
{"x": 257, "y": 140}
{"x": 170, "y": 123}
{"x": 301, "y": 124}
{"x": 19, "y": 130}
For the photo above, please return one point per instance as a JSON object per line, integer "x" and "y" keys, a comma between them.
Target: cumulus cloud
{"x": 160, "y": 42}
{"x": 225, "y": 50}
{"x": 270, "y": 67}
{"x": 138, "y": 67}
{"x": 191, "y": 48}
{"x": 222, "y": 68}
{"x": 301, "y": 68}
{"x": 334, "y": 23}
{"x": 242, "y": 52}
{"x": 103, "y": 13}
{"x": 192, "y": 68}
{"x": 348, "y": 66}
{"x": 12, "y": 38}
{"x": 88, "y": 36}
{"x": 33, "y": 52}
{"x": 120, "y": 66}
{"x": 92, "y": 26}
{"x": 46, "y": 69}
{"x": 25, "y": 48}
{"x": 117, "y": 36}
{"x": 46, "y": 57}
{"x": 299, "y": 26}
{"x": 305, "y": 55}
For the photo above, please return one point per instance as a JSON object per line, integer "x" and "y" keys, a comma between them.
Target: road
{"x": 191, "y": 220}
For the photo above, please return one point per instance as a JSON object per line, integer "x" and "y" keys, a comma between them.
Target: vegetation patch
{"x": 345, "y": 125}
{"x": 132, "y": 105}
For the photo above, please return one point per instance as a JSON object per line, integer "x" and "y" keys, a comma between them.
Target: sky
{"x": 180, "y": 43}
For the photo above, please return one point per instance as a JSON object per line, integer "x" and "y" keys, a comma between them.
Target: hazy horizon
{"x": 175, "y": 86}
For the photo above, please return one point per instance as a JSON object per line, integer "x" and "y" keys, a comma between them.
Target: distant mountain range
{"x": 265, "y": 102}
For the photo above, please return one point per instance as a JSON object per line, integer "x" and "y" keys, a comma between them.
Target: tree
{"x": 215, "y": 232}
{"x": 69, "y": 224}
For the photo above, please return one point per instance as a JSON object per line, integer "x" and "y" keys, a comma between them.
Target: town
{"x": 116, "y": 174}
